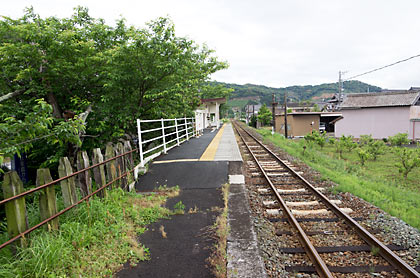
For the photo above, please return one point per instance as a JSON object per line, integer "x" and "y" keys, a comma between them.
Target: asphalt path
{"x": 184, "y": 252}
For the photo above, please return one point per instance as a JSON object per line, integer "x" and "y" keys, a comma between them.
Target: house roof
{"x": 382, "y": 99}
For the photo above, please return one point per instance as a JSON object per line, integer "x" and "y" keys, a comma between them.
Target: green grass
{"x": 378, "y": 182}
{"x": 94, "y": 240}
{"x": 220, "y": 230}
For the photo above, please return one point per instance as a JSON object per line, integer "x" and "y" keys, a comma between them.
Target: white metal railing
{"x": 178, "y": 131}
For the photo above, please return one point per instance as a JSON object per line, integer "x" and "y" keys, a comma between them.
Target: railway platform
{"x": 199, "y": 167}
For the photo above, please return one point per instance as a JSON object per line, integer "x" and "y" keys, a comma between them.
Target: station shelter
{"x": 208, "y": 114}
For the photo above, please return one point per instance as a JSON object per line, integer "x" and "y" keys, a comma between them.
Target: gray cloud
{"x": 283, "y": 42}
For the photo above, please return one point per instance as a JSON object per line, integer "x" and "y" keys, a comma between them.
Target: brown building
{"x": 302, "y": 123}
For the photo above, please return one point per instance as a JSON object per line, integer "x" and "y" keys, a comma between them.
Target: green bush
{"x": 317, "y": 138}
{"x": 366, "y": 140}
{"x": 408, "y": 159}
{"x": 253, "y": 121}
{"x": 363, "y": 154}
{"x": 399, "y": 139}
{"x": 376, "y": 148}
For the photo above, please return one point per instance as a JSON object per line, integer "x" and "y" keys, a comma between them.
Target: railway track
{"x": 323, "y": 232}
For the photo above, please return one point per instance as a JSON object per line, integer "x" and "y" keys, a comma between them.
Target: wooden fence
{"x": 76, "y": 187}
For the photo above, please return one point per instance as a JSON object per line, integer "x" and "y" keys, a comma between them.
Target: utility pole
{"x": 340, "y": 87}
{"x": 285, "y": 114}
{"x": 274, "y": 103}
{"x": 340, "y": 84}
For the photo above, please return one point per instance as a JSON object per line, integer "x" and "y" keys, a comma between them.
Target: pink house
{"x": 380, "y": 114}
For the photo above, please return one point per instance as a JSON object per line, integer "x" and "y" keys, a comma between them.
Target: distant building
{"x": 381, "y": 114}
{"x": 301, "y": 123}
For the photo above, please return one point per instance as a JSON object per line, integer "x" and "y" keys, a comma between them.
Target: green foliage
{"x": 215, "y": 91}
{"x": 179, "y": 208}
{"x": 19, "y": 135}
{"x": 264, "y": 115}
{"x": 408, "y": 159}
{"x": 94, "y": 240}
{"x": 106, "y": 76}
{"x": 366, "y": 140}
{"x": 316, "y": 137}
{"x": 363, "y": 154}
{"x": 253, "y": 121}
{"x": 399, "y": 139}
{"x": 376, "y": 148}
{"x": 348, "y": 142}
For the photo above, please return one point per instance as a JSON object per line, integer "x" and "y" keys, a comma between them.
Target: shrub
{"x": 316, "y": 137}
{"x": 348, "y": 142}
{"x": 399, "y": 139}
{"x": 253, "y": 121}
{"x": 363, "y": 154}
{"x": 366, "y": 140}
{"x": 376, "y": 148}
{"x": 408, "y": 160}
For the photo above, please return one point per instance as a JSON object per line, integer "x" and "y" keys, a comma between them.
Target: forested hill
{"x": 263, "y": 94}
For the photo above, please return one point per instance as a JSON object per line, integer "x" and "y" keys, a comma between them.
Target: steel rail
{"x": 320, "y": 266}
{"x": 63, "y": 178}
{"x": 370, "y": 239}
{"x": 86, "y": 198}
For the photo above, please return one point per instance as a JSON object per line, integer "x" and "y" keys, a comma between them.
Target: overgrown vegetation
{"x": 78, "y": 80}
{"x": 381, "y": 180}
{"x": 218, "y": 258}
{"x": 94, "y": 240}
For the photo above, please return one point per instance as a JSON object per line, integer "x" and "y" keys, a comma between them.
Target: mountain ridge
{"x": 242, "y": 94}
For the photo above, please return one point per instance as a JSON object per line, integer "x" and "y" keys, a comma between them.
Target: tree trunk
{"x": 57, "y": 113}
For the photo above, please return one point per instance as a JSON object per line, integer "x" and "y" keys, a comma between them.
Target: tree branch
{"x": 11, "y": 95}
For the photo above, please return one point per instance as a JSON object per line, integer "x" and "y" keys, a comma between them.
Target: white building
{"x": 381, "y": 114}
{"x": 208, "y": 114}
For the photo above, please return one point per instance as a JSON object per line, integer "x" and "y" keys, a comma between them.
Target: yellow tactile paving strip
{"x": 210, "y": 152}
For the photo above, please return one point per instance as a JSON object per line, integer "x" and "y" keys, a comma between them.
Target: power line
{"x": 387, "y": 66}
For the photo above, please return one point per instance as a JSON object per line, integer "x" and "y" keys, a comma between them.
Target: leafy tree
{"x": 215, "y": 91}
{"x": 316, "y": 137}
{"x": 399, "y": 139}
{"x": 95, "y": 78}
{"x": 344, "y": 143}
{"x": 363, "y": 154}
{"x": 408, "y": 159}
{"x": 348, "y": 142}
{"x": 264, "y": 115}
{"x": 376, "y": 148}
{"x": 366, "y": 140}
{"x": 253, "y": 121}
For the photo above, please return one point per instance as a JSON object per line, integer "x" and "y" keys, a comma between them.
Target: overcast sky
{"x": 278, "y": 42}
